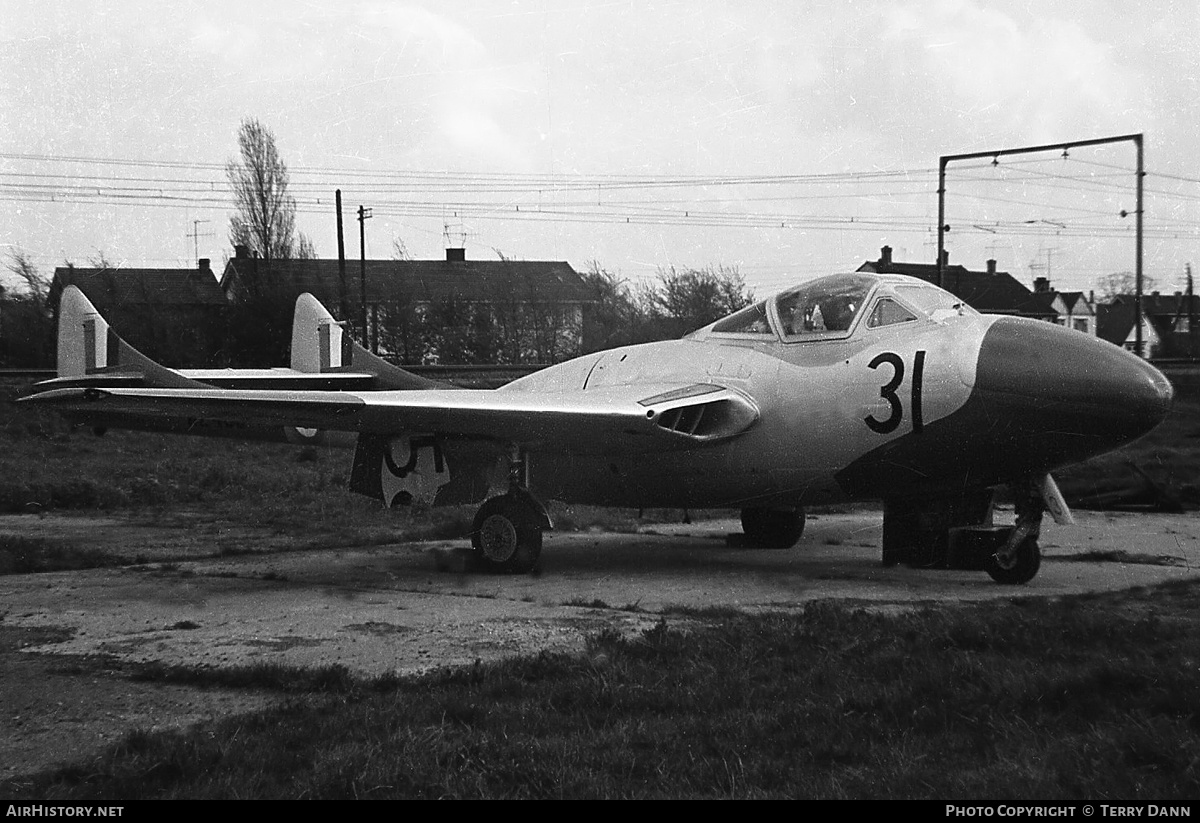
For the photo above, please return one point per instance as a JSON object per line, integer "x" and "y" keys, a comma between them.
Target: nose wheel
{"x": 507, "y": 534}
{"x": 1017, "y": 566}
{"x": 1019, "y": 559}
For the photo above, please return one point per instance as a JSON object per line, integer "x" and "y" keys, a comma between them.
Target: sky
{"x": 784, "y": 139}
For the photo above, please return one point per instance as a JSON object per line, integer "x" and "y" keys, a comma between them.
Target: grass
{"x": 1084, "y": 698}
{"x": 1088, "y": 697}
{"x": 1169, "y": 456}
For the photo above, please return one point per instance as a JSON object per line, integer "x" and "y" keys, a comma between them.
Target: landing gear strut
{"x": 772, "y": 528}
{"x": 506, "y": 535}
{"x": 958, "y": 533}
{"x": 1019, "y": 559}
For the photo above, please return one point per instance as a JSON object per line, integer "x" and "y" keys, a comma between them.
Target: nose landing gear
{"x": 1019, "y": 559}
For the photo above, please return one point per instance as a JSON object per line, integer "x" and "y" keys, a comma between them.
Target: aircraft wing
{"x": 610, "y": 419}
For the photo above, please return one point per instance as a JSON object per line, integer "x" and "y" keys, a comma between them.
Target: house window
{"x": 1081, "y": 324}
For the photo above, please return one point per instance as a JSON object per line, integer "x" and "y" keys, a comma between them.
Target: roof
{"x": 526, "y": 281}
{"x": 1114, "y": 320}
{"x": 1155, "y": 304}
{"x": 113, "y": 288}
{"x": 1073, "y": 298}
{"x": 1039, "y": 304}
{"x": 988, "y": 292}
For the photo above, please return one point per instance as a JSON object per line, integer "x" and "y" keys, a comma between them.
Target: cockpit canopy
{"x": 833, "y": 307}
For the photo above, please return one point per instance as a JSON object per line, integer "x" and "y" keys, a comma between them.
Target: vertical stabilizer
{"x": 88, "y": 347}
{"x": 322, "y": 344}
{"x": 319, "y": 342}
{"x": 82, "y": 335}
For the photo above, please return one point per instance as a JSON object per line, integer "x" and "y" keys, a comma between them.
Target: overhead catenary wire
{"x": 884, "y": 200}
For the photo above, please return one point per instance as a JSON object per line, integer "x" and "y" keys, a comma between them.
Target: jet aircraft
{"x": 853, "y": 386}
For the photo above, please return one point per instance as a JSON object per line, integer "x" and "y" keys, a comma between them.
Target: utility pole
{"x": 364, "y": 214}
{"x": 345, "y": 311}
{"x": 1191, "y": 301}
{"x": 1137, "y": 303}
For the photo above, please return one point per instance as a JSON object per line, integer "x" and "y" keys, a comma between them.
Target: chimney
{"x": 205, "y": 265}
{"x": 885, "y": 256}
{"x": 991, "y": 264}
{"x": 456, "y": 255}
{"x": 1041, "y": 284}
{"x": 241, "y": 252}
{"x": 945, "y": 258}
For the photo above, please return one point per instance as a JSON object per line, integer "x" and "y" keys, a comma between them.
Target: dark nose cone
{"x": 1060, "y": 394}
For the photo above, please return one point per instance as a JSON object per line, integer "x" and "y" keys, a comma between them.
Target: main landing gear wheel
{"x": 507, "y": 535}
{"x": 772, "y": 528}
{"x": 1019, "y": 569}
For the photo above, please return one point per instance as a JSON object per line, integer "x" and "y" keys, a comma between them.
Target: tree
{"x": 400, "y": 250}
{"x": 266, "y": 214}
{"x": 616, "y": 316}
{"x": 27, "y": 330}
{"x": 1112, "y": 286}
{"x": 265, "y": 223}
{"x": 686, "y": 300}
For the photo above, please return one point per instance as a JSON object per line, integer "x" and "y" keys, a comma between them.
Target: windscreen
{"x": 826, "y": 307}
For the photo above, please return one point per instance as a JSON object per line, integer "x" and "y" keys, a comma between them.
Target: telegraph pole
{"x": 1191, "y": 301}
{"x": 364, "y": 214}
{"x": 341, "y": 258}
{"x": 1137, "y": 303}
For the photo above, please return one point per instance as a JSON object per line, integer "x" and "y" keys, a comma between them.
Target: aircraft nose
{"x": 1069, "y": 395}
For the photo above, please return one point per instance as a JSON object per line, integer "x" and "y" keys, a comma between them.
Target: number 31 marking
{"x": 888, "y": 392}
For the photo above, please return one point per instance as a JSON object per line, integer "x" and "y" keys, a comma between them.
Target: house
{"x": 176, "y": 316}
{"x": 1080, "y": 312}
{"x": 990, "y": 292}
{"x": 1071, "y": 309}
{"x": 1174, "y": 322}
{"x": 1115, "y": 323}
{"x": 997, "y": 292}
{"x": 437, "y": 311}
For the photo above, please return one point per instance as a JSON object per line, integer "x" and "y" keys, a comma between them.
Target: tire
{"x": 772, "y": 528}
{"x": 506, "y": 536}
{"x": 1028, "y": 561}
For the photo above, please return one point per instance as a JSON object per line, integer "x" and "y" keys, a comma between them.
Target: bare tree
{"x": 100, "y": 260}
{"x": 20, "y": 265}
{"x": 305, "y": 250}
{"x": 1111, "y": 286}
{"x": 27, "y": 333}
{"x": 400, "y": 250}
{"x": 686, "y": 300}
{"x": 266, "y": 214}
